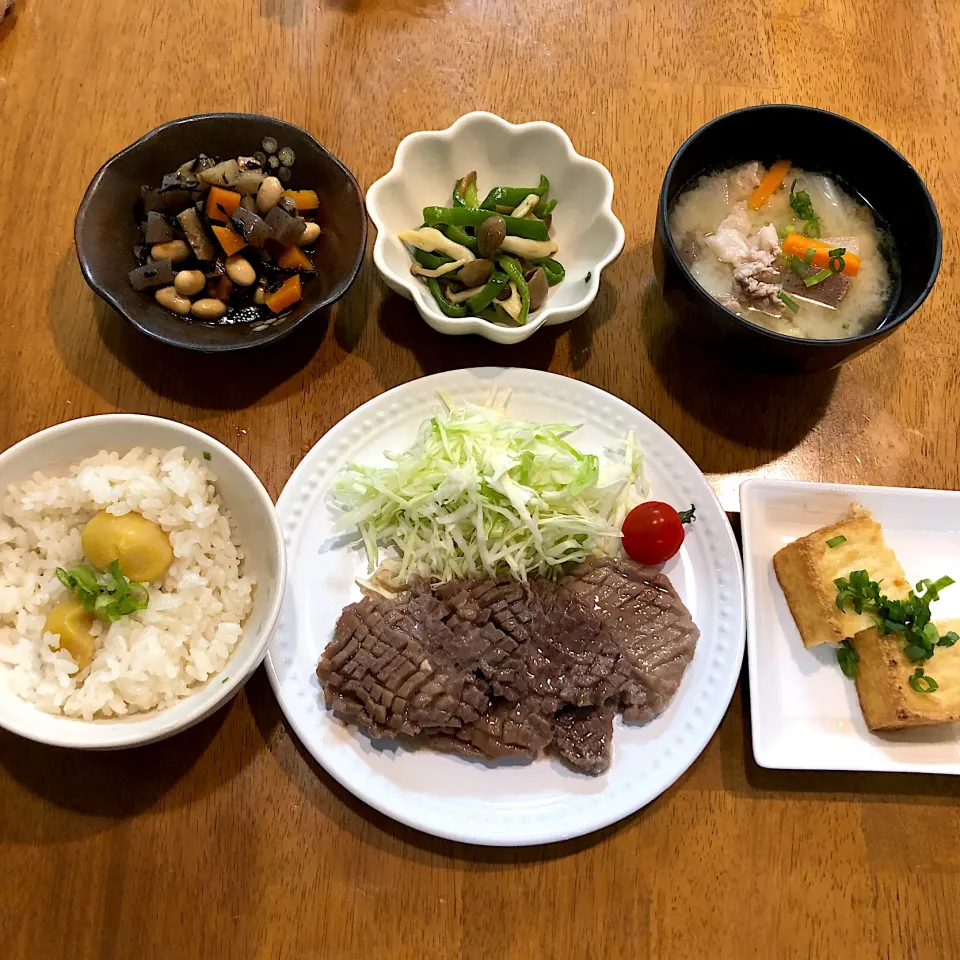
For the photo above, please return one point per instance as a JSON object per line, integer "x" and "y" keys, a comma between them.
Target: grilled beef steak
{"x": 508, "y": 669}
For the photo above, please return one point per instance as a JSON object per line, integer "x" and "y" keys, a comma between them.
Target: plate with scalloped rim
{"x": 505, "y": 803}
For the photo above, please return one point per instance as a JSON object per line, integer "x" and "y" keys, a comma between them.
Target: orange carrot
{"x": 229, "y": 240}
{"x": 304, "y": 199}
{"x": 293, "y": 258}
{"x": 797, "y": 245}
{"x": 285, "y": 295}
{"x": 221, "y": 203}
{"x": 769, "y": 184}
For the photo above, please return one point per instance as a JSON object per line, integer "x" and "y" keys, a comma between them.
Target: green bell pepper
{"x": 552, "y": 268}
{"x": 463, "y": 217}
{"x": 431, "y": 261}
{"x": 460, "y": 236}
{"x": 511, "y": 267}
{"x": 489, "y": 292}
{"x": 448, "y": 308}
{"x": 513, "y": 196}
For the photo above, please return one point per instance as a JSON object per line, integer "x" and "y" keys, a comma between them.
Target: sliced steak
{"x": 649, "y": 622}
{"x": 507, "y": 669}
{"x": 583, "y": 736}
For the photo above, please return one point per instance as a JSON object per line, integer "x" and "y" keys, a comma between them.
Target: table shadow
{"x": 101, "y": 787}
{"x": 342, "y": 808}
{"x": 225, "y": 381}
{"x": 743, "y": 776}
{"x": 766, "y": 414}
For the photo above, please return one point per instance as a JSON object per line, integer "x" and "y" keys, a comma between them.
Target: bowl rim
{"x": 272, "y": 335}
{"x": 465, "y": 325}
{"x": 141, "y": 729}
{"x": 867, "y": 336}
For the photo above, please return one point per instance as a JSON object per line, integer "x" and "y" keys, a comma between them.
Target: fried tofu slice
{"x": 807, "y": 568}
{"x": 887, "y": 700}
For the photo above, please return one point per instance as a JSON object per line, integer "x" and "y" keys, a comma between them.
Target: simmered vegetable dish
{"x": 493, "y": 259}
{"x": 224, "y": 241}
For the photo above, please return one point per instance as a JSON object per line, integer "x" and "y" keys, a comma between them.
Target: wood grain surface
{"x": 229, "y": 841}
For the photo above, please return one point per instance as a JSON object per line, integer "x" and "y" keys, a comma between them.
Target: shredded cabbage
{"x": 479, "y": 494}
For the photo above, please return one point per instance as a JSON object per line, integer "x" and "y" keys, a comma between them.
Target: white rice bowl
{"x": 157, "y": 656}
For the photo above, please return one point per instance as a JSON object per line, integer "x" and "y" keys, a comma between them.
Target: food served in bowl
{"x": 787, "y": 249}
{"x": 501, "y": 618}
{"x": 492, "y": 260}
{"x": 224, "y": 242}
{"x": 122, "y": 583}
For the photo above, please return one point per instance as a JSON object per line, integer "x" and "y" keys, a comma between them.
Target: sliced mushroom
{"x": 418, "y": 270}
{"x": 431, "y": 240}
{"x": 476, "y": 273}
{"x": 463, "y": 295}
{"x": 490, "y": 236}
{"x": 539, "y": 288}
{"x": 512, "y": 304}
{"x": 531, "y": 249}
{"x": 526, "y": 206}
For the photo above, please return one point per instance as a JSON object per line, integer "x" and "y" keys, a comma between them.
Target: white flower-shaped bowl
{"x": 428, "y": 164}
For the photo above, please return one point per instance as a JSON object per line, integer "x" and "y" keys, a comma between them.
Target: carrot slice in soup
{"x": 797, "y": 245}
{"x": 769, "y": 184}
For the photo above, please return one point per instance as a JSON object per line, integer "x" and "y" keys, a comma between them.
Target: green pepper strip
{"x": 460, "y": 236}
{"x": 490, "y": 313}
{"x": 465, "y": 191}
{"x": 544, "y": 208}
{"x": 489, "y": 292}
{"x": 552, "y": 268}
{"x": 513, "y": 196}
{"x": 450, "y": 309}
{"x": 431, "y": 261}
{"x": 511, "y": 267}
{"x": 462, "y": 217}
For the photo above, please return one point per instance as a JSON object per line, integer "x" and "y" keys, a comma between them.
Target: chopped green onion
{"x": 589, "y": 275}
{"x": 788, "y": 300}
{"x": 915, "y": 653}
{"x": 837, "y": 264}
{"x": 948, "y": 639}
{"x": 808, "y": 256}
{"x": 836, "y": 541}
{"x": 837, "y": 252}
{"x": 818, "y": 277}
{"x": 688, "y": 516}
{"x": 109, "y": 595}
{"x": 847, "y": 658}
{"x": 206, "y": 455}
{"x": 922, "y": 683}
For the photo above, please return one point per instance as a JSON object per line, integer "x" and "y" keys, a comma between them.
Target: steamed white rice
{"x": 156, "y": 656}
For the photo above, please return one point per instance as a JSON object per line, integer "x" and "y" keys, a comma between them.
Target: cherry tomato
{"x": 653, "y": 531}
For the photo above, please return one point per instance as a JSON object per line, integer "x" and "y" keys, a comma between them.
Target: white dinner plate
{"x": 504, "y": 803}
{"x": 804, "y": 712}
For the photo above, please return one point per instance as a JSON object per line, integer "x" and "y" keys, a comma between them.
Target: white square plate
{"x": 804, "y": 711}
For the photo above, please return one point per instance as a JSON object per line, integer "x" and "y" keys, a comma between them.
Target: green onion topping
{"x": 206, "y": 455}
{"x": 836, "y": 541}
{"x": 818, "y": 277}
{"x": 788, "y": 300}
{"x": 922, "y": 683}
{"x": 910, "y": 618}
{"x": 847, "y": 658}
{"x": 109, "y": 595}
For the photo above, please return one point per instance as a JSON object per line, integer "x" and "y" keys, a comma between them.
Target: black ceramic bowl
{"x": 106, "y": 229}
{"x": 814, "y": 140}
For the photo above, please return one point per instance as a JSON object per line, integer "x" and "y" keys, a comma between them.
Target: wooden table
{"x": 229, "y": 841}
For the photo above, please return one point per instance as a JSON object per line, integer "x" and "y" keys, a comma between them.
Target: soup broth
{"x": 736, "y": 252}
